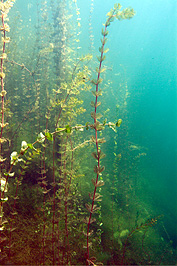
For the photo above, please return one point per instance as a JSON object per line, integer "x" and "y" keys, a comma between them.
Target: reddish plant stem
{"x": 43, "y": 239}
{"x": 60, "y": 180}
{"x": 147, "y": 224}
{"x": 44, "y": 198}
{"x": 66, "y": 240}
{"x": 96, "y": 138}
{"x": 67, "y": 182}
{"x": 22, "y": 67}
{"x": 125, "y": 245}
{"x": 113, "y": 215}
{"x": 2, "y": 113}
{"x": 54, "y": 188}
{"x": 54, "y": 203}
{"x": 147, "y": 254}
{"x": 2, "y": 79}
{"x": 44, "y": 170}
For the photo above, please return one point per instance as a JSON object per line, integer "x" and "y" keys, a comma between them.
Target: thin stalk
{"x": 54, "y": 189}
{"x": 96, "y": 137}
{"x": 114, "y": 13}
{"x": 43, "y": 239}
{"x": 54, "y": 203}
{"x": 2, "y": 78}
{"x": 66, "y": 189}
{"x": 113, "y": 215}
{"x": 146, "y": 225}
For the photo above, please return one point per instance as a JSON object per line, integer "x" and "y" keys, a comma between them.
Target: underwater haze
{"x": 88, "y": 132}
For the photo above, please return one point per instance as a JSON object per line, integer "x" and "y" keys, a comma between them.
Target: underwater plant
{"x": 5, "y": 8}
{"x": 149, "y": 223}
{"x": 115, "y": 13}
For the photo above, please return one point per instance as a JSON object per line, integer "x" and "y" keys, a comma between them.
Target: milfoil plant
{"x": 115, "y": 13}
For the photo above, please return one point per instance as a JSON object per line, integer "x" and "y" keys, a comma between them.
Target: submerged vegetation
{"x": 52, "y": 210}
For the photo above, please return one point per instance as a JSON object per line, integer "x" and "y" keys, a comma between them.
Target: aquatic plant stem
{"x": 147, "y": 254}
{"x": 54, "y": 203}
{"x": 96, "y": 138}
{"x": 66, "y": 190}
{"x": 54, "y": 184}
{"x": 114, "y": 13}
{"x": 113, "y": 216}
{"x": 149, "y": 223}
{"x": 2, "y": 111}
{"x": 66, "y": 258}
{"x": 53, "y": 170}
{"x": 43, "y": 239}
{"x": 2, "y": 77}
